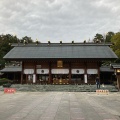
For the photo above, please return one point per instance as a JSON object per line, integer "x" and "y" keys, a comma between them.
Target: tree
{"x": 27, "y": 39}
{"x": 108, "y": 36}
{"x": 98, "y": 38}
{"x": 5, "y": 47}
{"x": 116, "y": 43}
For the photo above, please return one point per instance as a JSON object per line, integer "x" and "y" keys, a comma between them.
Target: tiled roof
{"x": 115, "y": 65}
{"x": 61, "y": 51}
{"x": 12, "y": 69}
{"x": 106, "y": 69}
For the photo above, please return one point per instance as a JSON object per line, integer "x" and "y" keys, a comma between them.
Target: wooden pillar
{"x": 7, "y": 75}
{"x": 98, "y": 64}
{"x": 35, "y": 71}
{"x": 70, "y": 73}
{"x": 118, "y": 82}
{"x": 14, "y": 76}
{"x": 50, "y": 76}
{"x": 22, "y": 72}
{"x": 26, "y": 79}
{"x": 85, "y": 74}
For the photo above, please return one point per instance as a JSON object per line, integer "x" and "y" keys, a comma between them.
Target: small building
{"x": 12, "y": 72}
{"x": 116, "y": 68}
{"x": 60, "y": 63}
{"x": 107, "y": 75}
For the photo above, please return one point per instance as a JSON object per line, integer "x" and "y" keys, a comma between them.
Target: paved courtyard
{"x": 59, "y": 106}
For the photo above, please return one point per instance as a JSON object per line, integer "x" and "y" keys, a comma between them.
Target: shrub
{"x": 4, "y": 81}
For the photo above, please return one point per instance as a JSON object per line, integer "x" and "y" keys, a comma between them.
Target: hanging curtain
{"x": 60, "y": 71}
{"x": 77, "y": 71}
{"x": 28, "y": 71}
{"x": 42, "y": 71}
{"x": 92, "y": 71}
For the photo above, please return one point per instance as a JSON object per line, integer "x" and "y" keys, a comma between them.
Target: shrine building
{"x": 60, "y": 63}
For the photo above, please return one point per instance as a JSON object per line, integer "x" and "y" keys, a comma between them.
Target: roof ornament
{"x": 84, "y": 41}
{"x": 60, "y": 42}
{"x": 24, "y": 42}
{"x": 37, "y": 42}
{"x": 73, "y": 42}
{"x": 97, "y": 41}
{"x": 48, "y": 42}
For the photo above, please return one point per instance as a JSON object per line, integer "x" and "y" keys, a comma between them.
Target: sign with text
{"x": 9, "y": 90}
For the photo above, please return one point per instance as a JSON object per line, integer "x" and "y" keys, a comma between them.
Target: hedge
{"x": 4, "y": 81}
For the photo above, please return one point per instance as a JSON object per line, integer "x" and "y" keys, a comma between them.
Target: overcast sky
{"x": 57, "y": 20}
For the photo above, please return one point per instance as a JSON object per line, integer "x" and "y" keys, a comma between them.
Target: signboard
{"x": 9, "y": 90}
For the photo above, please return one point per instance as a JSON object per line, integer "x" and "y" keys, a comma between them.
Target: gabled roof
{"x": 45, "y": 51}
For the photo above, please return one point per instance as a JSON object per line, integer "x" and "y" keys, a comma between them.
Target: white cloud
{"x": 57, "y": 20}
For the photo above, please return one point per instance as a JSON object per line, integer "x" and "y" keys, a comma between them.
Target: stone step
{"x": 66, "y": 88}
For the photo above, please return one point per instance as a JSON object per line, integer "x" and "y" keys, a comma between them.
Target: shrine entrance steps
{"x": 65, "y": 88}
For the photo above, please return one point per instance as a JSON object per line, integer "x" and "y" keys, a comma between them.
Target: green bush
{"x": 114, "y": 82}
{"x": 4, "y": 81}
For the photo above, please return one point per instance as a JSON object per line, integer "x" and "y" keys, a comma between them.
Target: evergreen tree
{"x": 5, "y": 45}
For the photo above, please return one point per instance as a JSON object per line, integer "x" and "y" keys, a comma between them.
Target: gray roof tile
{"x": 81, "y": 51}
{"x": 12, "y": 69}
{"x": 106, "y": 69}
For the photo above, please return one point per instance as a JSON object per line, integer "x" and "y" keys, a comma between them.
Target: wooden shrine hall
{"x": 60, "y": 63}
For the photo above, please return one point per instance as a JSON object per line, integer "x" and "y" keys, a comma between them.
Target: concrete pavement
{"x": 59, "y": 106}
